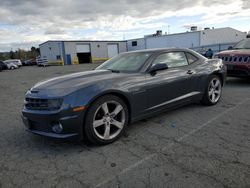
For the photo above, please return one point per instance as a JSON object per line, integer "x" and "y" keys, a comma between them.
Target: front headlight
{"x": 55, "y": 104}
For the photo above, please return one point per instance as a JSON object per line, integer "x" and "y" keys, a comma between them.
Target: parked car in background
{"x": 237, "y": 59}
{"x": 15, "y": 61}
{"x": 3, "y": 66}
{"x": 10, "y": 65}
{"x": 29, "y": 62}
{"x": 99, "y": 104}
{"x": 42, "y": 61}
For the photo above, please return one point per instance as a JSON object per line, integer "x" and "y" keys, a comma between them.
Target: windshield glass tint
{"x": 128, "y": 62}
{"x": 244, "y": 44}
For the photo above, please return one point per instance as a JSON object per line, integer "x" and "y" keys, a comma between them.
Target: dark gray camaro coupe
{"x": 99, "y": 104}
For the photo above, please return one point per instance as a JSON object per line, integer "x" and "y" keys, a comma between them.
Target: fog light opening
{"x": 57, "y": 127}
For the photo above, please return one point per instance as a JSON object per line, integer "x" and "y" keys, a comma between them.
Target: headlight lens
{"x": 55, "y": 104}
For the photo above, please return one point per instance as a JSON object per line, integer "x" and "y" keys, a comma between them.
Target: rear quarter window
{"x": 191, "y": 58}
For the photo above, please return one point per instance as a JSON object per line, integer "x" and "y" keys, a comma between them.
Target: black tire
{"x": 206, "y": 100}
{"x": 91, "y": 133}
{"x": 12, "y": 68}
{"x": 1, "y": 68}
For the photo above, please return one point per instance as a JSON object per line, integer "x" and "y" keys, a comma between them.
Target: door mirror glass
{"x": 157, "y": 67}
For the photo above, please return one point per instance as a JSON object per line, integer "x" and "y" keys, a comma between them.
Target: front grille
{"x": 36, "y": 104}
{"x": 42, "y": 104}
{"x": 235, "y": 59}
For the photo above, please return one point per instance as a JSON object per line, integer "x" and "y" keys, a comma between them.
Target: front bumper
{"x": 238, "y": 70}
{"x": 41, "y": 123}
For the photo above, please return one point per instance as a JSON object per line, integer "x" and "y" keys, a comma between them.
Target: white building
{"x": 217, "y": 39}
{"x": 75, "y": 52}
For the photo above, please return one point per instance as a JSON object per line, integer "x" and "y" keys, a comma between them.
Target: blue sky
{"x": 28, "y": 23}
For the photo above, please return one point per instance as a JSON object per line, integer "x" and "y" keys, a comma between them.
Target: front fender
{"x": 86, "y": 96}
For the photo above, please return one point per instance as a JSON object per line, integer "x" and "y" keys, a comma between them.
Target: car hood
{"x": 235, "y": 52}
{"x": 76, "y": 80}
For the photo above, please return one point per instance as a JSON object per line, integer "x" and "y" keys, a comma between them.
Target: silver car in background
{"x": 10, "y": 65}
{"x": 15, "y": 61}
{"x": 41, "y": 62}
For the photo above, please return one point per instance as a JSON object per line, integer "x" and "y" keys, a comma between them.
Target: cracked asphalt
{"x": 193, "y": 146}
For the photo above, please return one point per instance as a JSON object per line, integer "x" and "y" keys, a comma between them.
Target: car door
{"x": 171, "y": 85}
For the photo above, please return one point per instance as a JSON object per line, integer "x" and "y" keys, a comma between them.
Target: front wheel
{"x": 213, "y": 91}
{"x": 106, "y": 120}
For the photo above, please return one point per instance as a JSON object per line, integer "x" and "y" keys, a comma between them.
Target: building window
{"x": 134, "y": 43}
{"x": 58, "y": 57}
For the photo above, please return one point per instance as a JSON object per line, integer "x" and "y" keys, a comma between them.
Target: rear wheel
{"x": 213, "y": 91}
{"x": 106, "y": 120}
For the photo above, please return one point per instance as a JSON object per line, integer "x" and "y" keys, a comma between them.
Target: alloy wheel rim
{"x": 109, "y": 120}
{"x": 214, "y": 90}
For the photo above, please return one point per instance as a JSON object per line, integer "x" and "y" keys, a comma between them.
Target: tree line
{"x": 21, "y": 54}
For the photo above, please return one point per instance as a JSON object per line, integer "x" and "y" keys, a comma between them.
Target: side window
{"x": 134, "y": 43}
{"x": 58, "y": 57}
{"x": 191, "y": 58}
{"x": 172, "y": 59}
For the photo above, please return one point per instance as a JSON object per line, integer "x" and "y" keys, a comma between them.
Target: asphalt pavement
{"x": 193, "y": 146}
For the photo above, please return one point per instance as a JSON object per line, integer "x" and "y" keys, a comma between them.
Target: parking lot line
{"x": 149, "y": 157}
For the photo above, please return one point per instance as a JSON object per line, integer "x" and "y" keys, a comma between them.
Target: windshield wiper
{"x": 114, "y": 71}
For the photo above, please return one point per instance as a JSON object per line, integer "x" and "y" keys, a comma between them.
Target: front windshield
{"x": 244, "y": 44}
{"x": 127, "y": 62}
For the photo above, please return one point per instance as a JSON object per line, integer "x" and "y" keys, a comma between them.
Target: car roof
{"x": 174, "y": 49}
{"x": 9, "y": 60}
{"x": 158, "y": 50}
{"x": 161, "y": 50}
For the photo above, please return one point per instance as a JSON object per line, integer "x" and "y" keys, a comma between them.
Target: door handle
{"x": 190, "y": 72}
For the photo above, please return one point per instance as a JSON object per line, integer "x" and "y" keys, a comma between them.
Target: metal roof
{"x": 82, "y": 41}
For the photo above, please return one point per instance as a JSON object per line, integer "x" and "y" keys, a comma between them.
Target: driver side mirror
{"x": 157, "y": 67}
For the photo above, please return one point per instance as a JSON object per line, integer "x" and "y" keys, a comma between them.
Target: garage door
{"x": 112, "y": 50}
{"x": 82, "y": 48}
